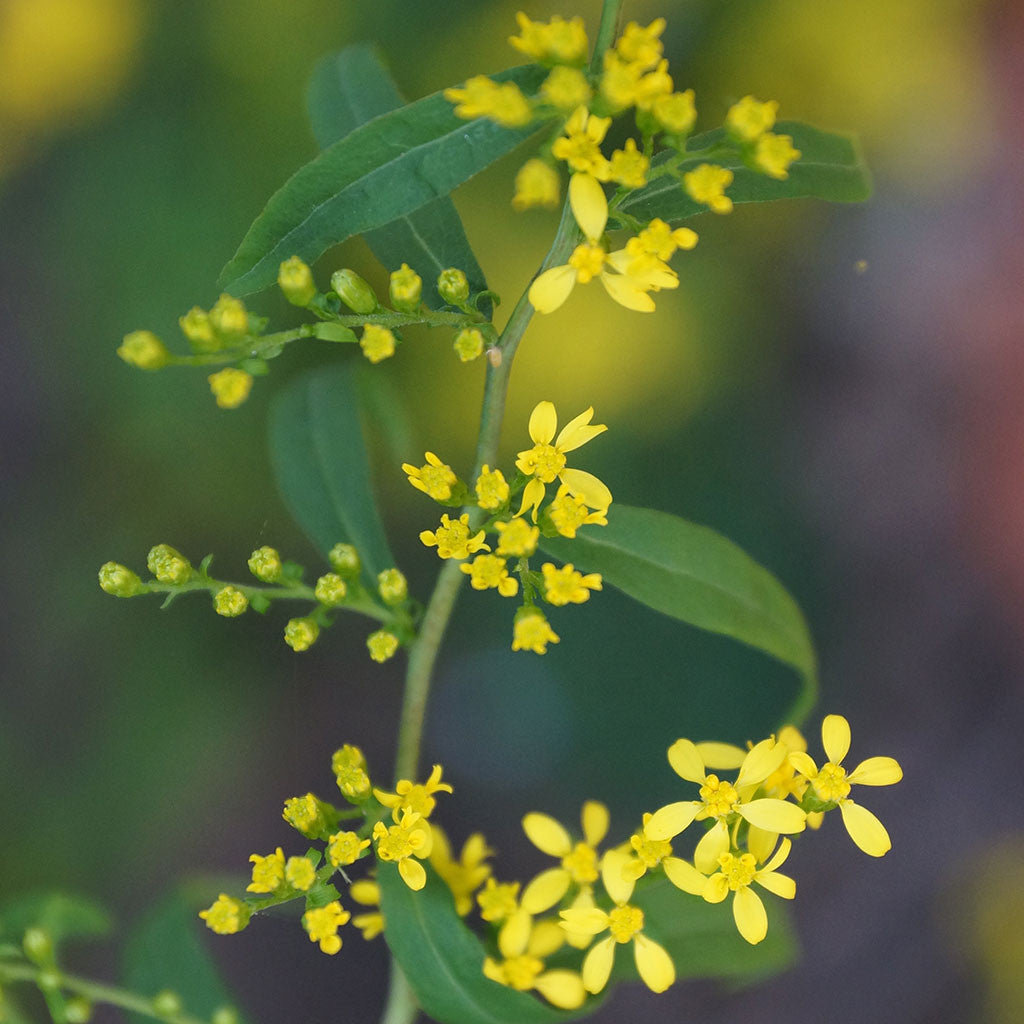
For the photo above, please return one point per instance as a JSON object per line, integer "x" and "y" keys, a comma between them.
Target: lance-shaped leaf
{"x": 318, "y": 453}
{"x": 696, "y": 575}
{"x": 830, "y": 167}
{"x": 348, "y": 89}
{"x": 386, "y": 168}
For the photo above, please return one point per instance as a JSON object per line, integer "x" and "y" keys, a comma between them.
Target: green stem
{"x": 611, "y": 12}
{"x": 93, "y": 991}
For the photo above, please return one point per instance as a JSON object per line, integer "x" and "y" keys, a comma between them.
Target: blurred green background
{"x": 860, "y": 433}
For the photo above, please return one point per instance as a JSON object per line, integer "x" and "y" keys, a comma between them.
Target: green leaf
{"x": 696, "y": 575}
{"x": 443, "y": 960}
{"x": 167, "y": 950}
{"x": 386, "y": 168}
{"x": 318, "y": 453}
{"x": 831, "y": 167}
{"x": 62, "y": 915}
{"x": 348, "y": 89}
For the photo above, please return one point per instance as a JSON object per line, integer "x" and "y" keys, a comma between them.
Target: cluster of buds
{"x": 341, "y": 589}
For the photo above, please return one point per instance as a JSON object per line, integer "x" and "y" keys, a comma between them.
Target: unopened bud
{"x": 229, "y": 318}
{"x": 38, "y": 946}
{"x": 225, "y": 1015}
{"x": 469, "y": 344}
{"x": 119, "y": 581}
{"x": 168, "y": 565}
{"x": 354, "y": 291}
{"x": 405, "y": 289}
{"x": 452, "y": 286}
{"x": 230, "y": 387}
{"x": 265, "y": 564}
{"x": 301, "y": 634}
{"x": 377, "y": 343}
{"x": 196, "y": 326}
{"x": 78, "y": 1010}
{"x": 167, "y": 1003}
{"x": 330, "y": 589}
{"x": 295, "y": 280}
{"x": 392, "y": 586}
{"x": 344, "y": 560}
{"x": 144, "y": 350}
{"x": 230, "y": 602}
{"x": 382, "y": 645}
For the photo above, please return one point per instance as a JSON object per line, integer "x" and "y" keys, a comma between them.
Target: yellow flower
{"x": 557, "y": 42}
{"x": 230, "y": 387}
{"x": 723, "y": 800}
{"x": 832, "y": 784}
{"x": 227, "y": 916}
{"x": 629, "y": 166}
{"x": 749, "y": 119}
{"x": 628, "y": 84}
{"x": 498, "y": 900}
{"x": 405, "y": 287}
{"x": 675, "y": 112}
{"x": 545, "y": 461}
{"x": 567, "y": 585}
{"x": 707, "y": 184}
{"x": 659, "y": 240}
{"x": 736, "y": 873}
{"x": 196, "y": 326}
{"x": 349, "y": 766}
{"x": 230, "y": 602}
{"x": 409, "y": 837}
{"x": 566, "y": 88}
{"x": 491, "y": 488}
{"x": 267, "y": 872}
{"x": 322, "y": 925}
{"x": 144, "y": 350}
{"x": 537, "y": 184}
{"x": 463, "y": 876}
{"x": 377, "y": 343}
{"x": 523, "y": 945}
{"x": 517, "y": 538}
{"x": 490, "y": 572}
{"x": 532, "y": 632}
{"x": 453, "y": 539}
{"x": 580, "y": 147}
{"x": 773, "y": 154}
{"x": 435, "y": 479}
{"x": 345, "y": 848}
{"x": 309, "y": 815}
{"x": 625, "y": 924}
{"x": 300, "y": 873}
{"x": 382, "y": 645}
{"x": 469, "y": 344}
{"x": 578, "y": 861}
{"x": 367, "y": 892}
{"x": 413, "y": 796}
{"x": 482, "y": 97}
{"x": 640, "y": 45}
{"x": 568, "y": 513}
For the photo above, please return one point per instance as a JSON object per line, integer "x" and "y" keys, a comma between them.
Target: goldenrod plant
{"x": 469, "y": 944}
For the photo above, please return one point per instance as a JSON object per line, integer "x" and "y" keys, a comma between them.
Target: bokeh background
{"x": 859, "y": 430}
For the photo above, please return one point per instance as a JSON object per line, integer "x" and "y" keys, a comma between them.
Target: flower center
{"x": 720, "y": 798}
{"x": 520, "y": 971}
{"x": 398, "y": 843}
{"x": 651, "y": 851}
{"x": 438, "y": 481}
{"x": 738, "y": 870}
{"x": 546, "y": 462}
{"x": 831, "y": 782}
{"x": 588, "y": 260}
{"x": 582, "y": 864}
{"x": 624, "y": 922}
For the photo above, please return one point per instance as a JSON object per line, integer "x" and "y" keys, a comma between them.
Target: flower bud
{"x": 78, "y": 1010}
{"x": 330, "y": 589}
{"x": 392, "y": 586}
{"x": 382, "y": 645}
{"x": 469, "y": 344}
{"x": 453, "y": 287}
{"x": 354, "y": 291}
{"x": 167, "y": 1003}
{"x": 377, "y": 343}
{"x": 295, "y": 280}
{"x": 168, "y": 565}
{"x": 144, "y": 350}
{"x": 119, "y": 581}
{"x": 227, "y": 915}
{"x": 230, "y": 602}
{"x": 230, "y": 387}
{"x": 344, "y": 560}
{"x": 310, "y": 815}
{"x": 349, "y": 766}
{"x": 265, "y": 564}
{"x": 405, "y": 289}
{"x": 196, "y": 326}
{"x": 225, "y": 1015}
{"x": 301, "y": 634}
{"x": 229, "y": 318}
{"x": 38, "y": 946}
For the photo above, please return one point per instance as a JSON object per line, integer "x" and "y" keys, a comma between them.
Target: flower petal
{"x": 780, "y": 856}
{"x": 412, "y": 873}
{"x": 594, "y": 819}
{"x": 515, "y": 934}
{"x": 625, "y": 293}
{"x": 551, "y": 289}
{"x": 761, "y": 842}
{"x": 835, "y": 737}
{"x": 543, "y": 423}
{"x": 547, "y": 937}
{"x": 586, "y": 486}
{"x": 683, "y": 875}
{"x": 781, "y": 885}
{"x": 563, "y": 989}
{"x": 546, "y": 890}
{"x": 533, "y": 495}
{"x": 577, "y": 432}
{"x": 653, "y": 963}
{"x": 865, "y": 829}
{"x": 749, "y": 914}
{"x": 589, "y": 205}
{"x": 712, "y": 845}
{"x": 721, "y": 756}
{"x": 668, "y": 821}
{"x": 616, "y": 883}
{"x": 598, "y": 965}
{"x": 774, "y": 815}
{"x": 716, "y": 888}
{"x": 548, "y": 835}
{"x": 803, "y": 763}
{"x": 686, "y": 761}
{"x": 876, "y": 771}
{"x": 582, "y": 921}
{"x": 761, "y": 760}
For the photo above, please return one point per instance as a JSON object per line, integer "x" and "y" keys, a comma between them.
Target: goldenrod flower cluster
{"x": 633, "y": 76}
{"x": 579, "y": 498}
